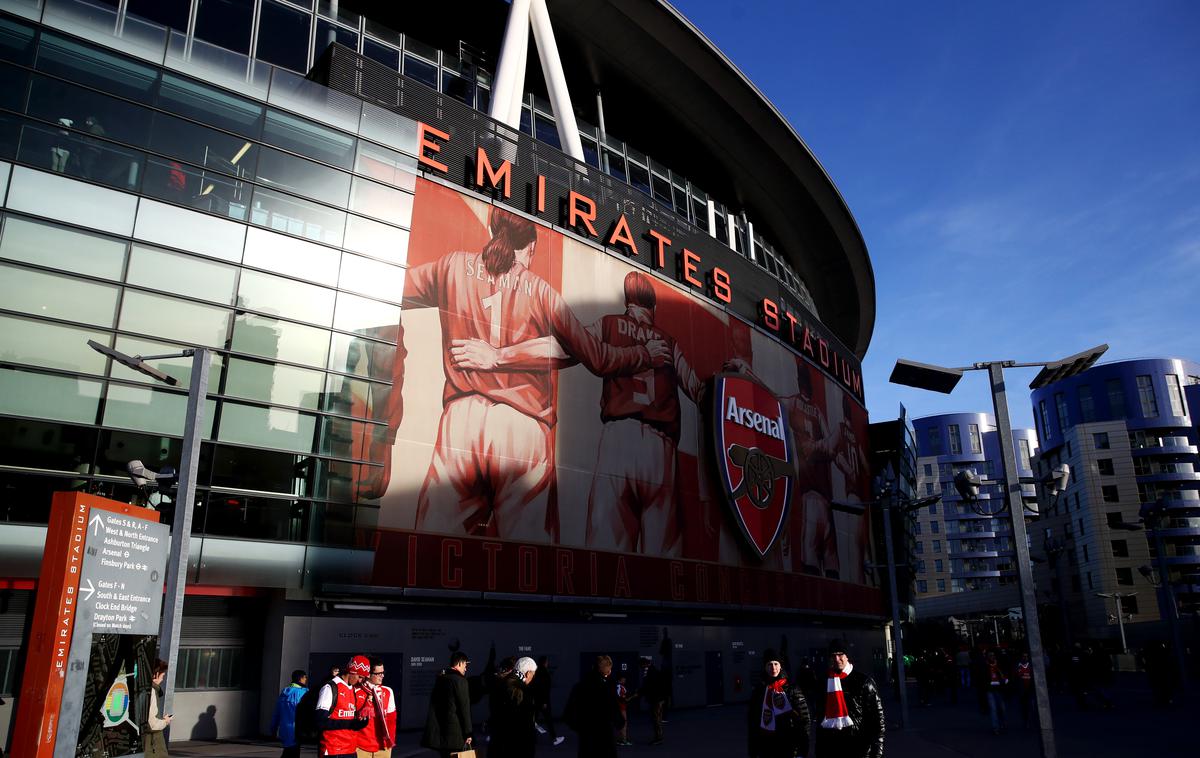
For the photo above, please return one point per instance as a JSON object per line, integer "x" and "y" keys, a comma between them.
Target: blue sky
{"x": 1026, "y": 174}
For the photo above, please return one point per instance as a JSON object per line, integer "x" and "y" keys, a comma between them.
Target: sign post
{"x": 102, "y": 574}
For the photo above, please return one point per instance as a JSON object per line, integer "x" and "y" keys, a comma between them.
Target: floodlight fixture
{"x": 925, "y": 376}
{"x": 967, "y": 483}
{"x": 138, "y": 363}
{"x": 1067, "y": 367}
{"x": 1058, "y": 478}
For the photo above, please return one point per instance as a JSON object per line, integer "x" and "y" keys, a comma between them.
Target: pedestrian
{"x": 777, "y": 719}
{"x": 495, "y": 684}
{"x": 623, "y": 698}
{"x": 1161, "y": 673}
{"x": 448, "y": 725}
{"x": 543, "y": 684}
{"x": 514, "y": 733}
{"x": 852, "y": 722}
{"x": 337, "y": 718}
{"x": 593, "y": 713}
{"x": 1023, "y": 674}
{"x": 155, "y": 722}
{"x": 1099, "y": 673}
{"x": 962, "y": 661}
{"x": 653, "y": 692}
{"x": 283, "y": 721}
{"x": 377, "y": 702}
{"x": 997, "y": 682}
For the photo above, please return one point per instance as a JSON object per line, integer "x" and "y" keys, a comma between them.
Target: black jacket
{"x": 593, "y": 713}
{"x": 790, "y": 736}
{"x": 511, "y": 724}
{"x": 865, "y": 738}
{"x": 448, "y": 724}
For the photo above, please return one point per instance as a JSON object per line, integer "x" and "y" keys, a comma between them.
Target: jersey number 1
{"x": 491, "y": 303}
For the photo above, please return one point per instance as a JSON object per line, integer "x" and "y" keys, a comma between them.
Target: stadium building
{"x": 536, "y": 330}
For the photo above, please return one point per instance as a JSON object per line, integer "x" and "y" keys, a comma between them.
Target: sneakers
{"x": 625, "y": 743}
{"x": 540, "y": 729}
{"x": 655, "y": 742}
{"x": 559, "y": 740}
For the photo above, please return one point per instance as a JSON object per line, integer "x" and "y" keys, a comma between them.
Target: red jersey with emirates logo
{"x": 506, "y": 310}
{"x": 376, "y": 736}
{"x": 651, "y": 396}
{"x": 339, "y": 699}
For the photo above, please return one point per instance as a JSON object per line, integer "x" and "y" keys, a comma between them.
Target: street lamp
{"x": 891, "y": 498}
{"x": 943, "y": 379}
{"x": 1117, "y": 597}
{"x": 181, "y": 526}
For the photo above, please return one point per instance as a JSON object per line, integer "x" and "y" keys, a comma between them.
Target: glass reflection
{"x": 95, "y": 68}
{"x": 43, "y": 294}
{"x": 284, "y": 213}
{"x": 47, "y": 396}
{"x": 202, "y": 189}
{"x": 48, "y": 445}
{"x": 298, "y": 176}
{"x": 272, "y": 428}
{"x": 274, "y": 383}
{"x": 291, "y": 256}
{"x": 376, "y": 239}
{"x": 210, "y": 105}
{"x": 76, "y": 152}
{"x": 180, "y": 368}
{"x": 39, "y": 343}
{"x": 56, "y": 246}
{"x": 202, "y": 146}
{"x": 380, "y": 202}
{"x": 173, "y": 319}
{"x": 181, "y": 274}
{"x": 307, "y": 138}
{"x": 358, "y": 314}
{"x": 370, "y": 277}
{"x": 284, "y": 297}
{"x": 280, "y": 340}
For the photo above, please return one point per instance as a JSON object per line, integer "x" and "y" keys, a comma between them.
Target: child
{"x": 623, "y": 699}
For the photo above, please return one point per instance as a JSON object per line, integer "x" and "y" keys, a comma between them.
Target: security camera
{"x": 145, "y": 479}
{"x": 1058, "y": 478}
{"x": 967, "y": 483}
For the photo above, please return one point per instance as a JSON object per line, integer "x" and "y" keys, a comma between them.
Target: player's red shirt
{"x": 814, "y": 443}
{"x": 506, "y": 310}
{"x": 650, "y": 396}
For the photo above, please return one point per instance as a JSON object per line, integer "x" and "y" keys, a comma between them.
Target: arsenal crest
{"x": 756, "y": 458}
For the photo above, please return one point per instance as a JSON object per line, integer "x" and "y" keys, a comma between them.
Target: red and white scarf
{"x": 837, "y": 715}
{"x": 774, "y": 704}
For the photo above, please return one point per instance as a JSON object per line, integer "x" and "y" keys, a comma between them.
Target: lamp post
{"x": 1116, "y": 598}
{"x": 189, "y": 464}
{"x": 943, "y": 379}
{"x": 889, "y": 500}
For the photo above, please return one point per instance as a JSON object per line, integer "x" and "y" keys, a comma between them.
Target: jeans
{"x": 996, "y": 707}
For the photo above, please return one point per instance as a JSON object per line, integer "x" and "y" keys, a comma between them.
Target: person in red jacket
{"x": 377, "y": 703}
{"x": 337, "y": 718}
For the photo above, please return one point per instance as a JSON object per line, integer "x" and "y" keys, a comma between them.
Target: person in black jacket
{"x": 513, "y": 732}
{"x": 777, "y": 719}
{"x": 448, "y": 725}
{"x": 592, "y": 711}
{"x": 653, "y": 692}
{"x": 852, "y": 723}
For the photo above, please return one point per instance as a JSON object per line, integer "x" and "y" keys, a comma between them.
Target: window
{"x": 1105, "y": 466}
{"x": 921, "y": 566}
{"x": 1060, "y": 405}
{"x": 922, "y": 585}
{"x": 1141, "y": 466}
{"x": 1125, "y": 575}
{"x": 103, "y": 70}
{"x": 935, "y": 441}
{"x": 1087, "y": 405}
{"x": 59, "y": 247}
{"x": 1145, "y": 387}
{"x": 309, "y": 139}
{"x": 941, "y": 585}
{"x": 1115, "y": 519}
{"x": 1077, "y": 501}
{"x": 1109, "y": 493}
{"x": 1175, "y": 395}
{"x": 283, "y": 36}
{"x": 8, "y": 669}
{"x": 973, "y": 435}
{"x": 1085, "y": 547}
{"x": 938, "y": 566}
{"x": 1026, "y": 459}
{"x": 928, "y": 488}
{"x": 1069, "y": 453}
{"x": 1120, "y": 548}
{"x": 1129, "y": 605}
{"x": 209, "y": 668}
{"x": 1100, "y": 440}
{"x": 928, "y": 469}
{"x": 225, "y": 23}
{"x": 933, "y": 506}
{"x": 1081, "y": 533}
{"x": 376, "y": 51}
{"x": 1116, "y": 398}
{"x": 917, "y": 528}
{"x": 935, "y": 527}
{"x": 1075, "y": 587}
{"x": 955, "y": 441}
{"x": 210, "y": 105}
{"x": 1045, "y": 419}
{"x": 1089, "y": 581}
{"x": 937, "y": 546}
{"x": 291, "y": 174}
{"x": 50, "y": 295}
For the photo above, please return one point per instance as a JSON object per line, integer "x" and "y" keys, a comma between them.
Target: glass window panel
{"x": 387, "y": 166}
{"x": 91, "y": 113}
{"x": 288, "y": 255}
{"x": 59, "y": 247}
{"x": 55, "y": 296}
{"x": 169, "y": 13}
{"x": 96, "y": 68}
{"x": 419, "y": 70}
{"x": 25, "y": 393}
{"x": 343, "y": 438}
{"x": 202, "y": 146}
{"x": 62, "y": 199}
{"x": 172, "y": 319}
{"x": 274, "y": 383}
{"x": 38, "y": 444}
{"x": 373, "y": 278}
{"x": 76, "y": 154}
{"x": 377, "y": 51}
{"x": 202, "y": 189}
{"x": 380, "y": 202}
{"x": 284, "y": 297}
{"x": 298, "y": 176}
{"x": 263, "y": 470}
{"x": 302, "y": 218}
{"x": 354, "y": 397}
{"x": 458, "y": 87}
{"x": 307, "y": 138}
{"x": 181, "y": 274}
{"x": 16, "y": 41}
{"x": 376, "y": 239}
{"x": 293, "y": 92}
{"x": 616, "y": 164}
{"x": 40, "y": 343}
{"x": 14, "y": 83}
{"x": 340, "y": 34}
{"x": 10, "y": 138}
{"x": 145, "y": 409}
{"x": 180, "y": 368}
{"x": 639, "y": 178}
{"x": 358, "y": 314}
{"x": 273, "y": 428}
{"x": 355, "y": 355}
{"x": 546, "y": 131}
{"x": 283, "y": 36}
{"x": 662, "y": 191}
{"x": 210, "y": 105}
{"x": 192, "y": 231}
{"x": 225, "y": 23}
{"x": 280, "y": 340}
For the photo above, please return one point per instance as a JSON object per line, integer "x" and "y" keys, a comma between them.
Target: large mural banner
{"x": 551, "y": 408}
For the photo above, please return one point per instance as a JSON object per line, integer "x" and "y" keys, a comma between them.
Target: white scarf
{"x": 774, "y": 705}
{"x": 837, "y": 715}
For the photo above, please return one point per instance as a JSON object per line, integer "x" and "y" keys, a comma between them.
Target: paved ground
{"x": 943, "y": 730}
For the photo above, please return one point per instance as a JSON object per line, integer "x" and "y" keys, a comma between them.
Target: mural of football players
{"x": 632, "y": 503}
{"x": 852, "y": 462}
{"x": 493, "y": 461}
{"x": 817, "y": 447}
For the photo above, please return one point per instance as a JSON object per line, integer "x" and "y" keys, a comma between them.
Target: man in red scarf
{"x": 852, "y": 723}
{"x": 777, "y": 720}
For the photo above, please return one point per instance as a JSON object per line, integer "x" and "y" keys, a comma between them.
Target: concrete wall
{"x": 215, "y": 715}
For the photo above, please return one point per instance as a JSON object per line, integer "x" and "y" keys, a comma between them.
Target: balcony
{"x": 1170, "y": 448}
